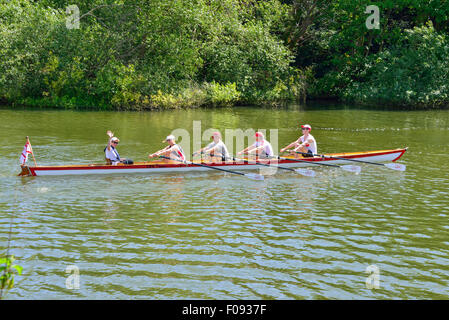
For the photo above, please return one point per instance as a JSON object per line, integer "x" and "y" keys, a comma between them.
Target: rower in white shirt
{"x": 261, "y": 148}
{"x": 111, "y": 154}
{"x": 216, "y": 148}
{"x": 172, "y": 151}
{"x": 306, "y": 143}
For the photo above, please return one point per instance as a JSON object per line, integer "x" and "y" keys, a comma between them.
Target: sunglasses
{"x": 114, "y": 142}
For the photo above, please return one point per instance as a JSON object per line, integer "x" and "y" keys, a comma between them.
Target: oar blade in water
{"x": 395, "y": 166}
{"x": 254, "y": 176}
{"x": 352, "y": 168}
{"x": 306, "y": 172}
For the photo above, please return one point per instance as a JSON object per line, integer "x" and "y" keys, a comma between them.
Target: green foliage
{"x": 142, "y": 54}
{"x": 7, "y": 273}
{"x": 222, "y": 95}
{"x": 248, "y": 56}
{"x": 139, "y": 54}
{"x": 414, "y": 73}
{"x": 119, "y": 85}
{"x": 213, "y": 94}
{"x": 399, "y": 64}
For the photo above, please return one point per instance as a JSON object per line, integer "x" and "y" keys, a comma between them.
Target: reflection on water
{"x": 212, "y": 235}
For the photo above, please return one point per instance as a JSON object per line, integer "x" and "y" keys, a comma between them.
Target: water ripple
{"x": 210, "y": 235}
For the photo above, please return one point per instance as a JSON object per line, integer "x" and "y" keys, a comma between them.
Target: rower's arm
{"x": 201, "y": 150}
{"x": 255, "y": 149}
{"x": 157, "y": 153}
{"x": 110, "y": 134}
{"x": 244, "y": 150}
{"x": 163, "y": 150}
{"x": 214, "y": 148}
{"x": 294, "y": 143}
{"x": 306, "y": 143}
{"x": 109, "y": 145}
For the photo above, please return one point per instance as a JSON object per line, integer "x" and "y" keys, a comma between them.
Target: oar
{"x": 304, "y": 172}
{"x": 253, "y": 176}
{"x": 349, "y": 168}
{"x": 393, "y": 166}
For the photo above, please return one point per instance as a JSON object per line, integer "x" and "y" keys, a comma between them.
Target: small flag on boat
{"x": 25, "y": 152}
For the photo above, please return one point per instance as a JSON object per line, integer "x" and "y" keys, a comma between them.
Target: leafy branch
{"x": 8, "y": 271}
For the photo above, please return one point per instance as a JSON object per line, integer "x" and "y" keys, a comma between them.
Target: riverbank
{"x": 323, "y": 103}
{"x": 184, "y": 54}
{"x": 207, "y": 95}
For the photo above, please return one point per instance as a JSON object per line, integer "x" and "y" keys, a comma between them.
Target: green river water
{"x": 211, "y": 235}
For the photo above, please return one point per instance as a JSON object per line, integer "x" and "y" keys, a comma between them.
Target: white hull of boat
{"x": 148, "y": 167}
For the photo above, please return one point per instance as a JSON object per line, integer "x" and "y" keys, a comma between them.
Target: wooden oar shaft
{"x": 262, "y": 164}
{"x": 311, "y": 162}
{"x": 304, "y": 172}
{"x": 203, "y": 165}
{"x": 339, "y": 158}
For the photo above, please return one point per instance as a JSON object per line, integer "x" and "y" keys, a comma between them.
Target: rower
{"x": 306, "y": 143}
{"x": 261, "y": 147}
{"x": 216, "y": 148}
{"x": 111, "y": 153}
{"x": 172, "y": 151}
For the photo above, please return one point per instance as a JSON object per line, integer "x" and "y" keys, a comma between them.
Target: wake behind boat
{"x": 378, "y": 156}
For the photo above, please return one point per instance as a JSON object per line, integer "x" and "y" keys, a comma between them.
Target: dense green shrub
{"x": 222, "y": 95}
{"x": 414, "y": 73}
{"x": 139, "y": 54}
{"x": 354, "y": 63}
{"x": 213, "y": 94}
{"x": 143, "y": 54}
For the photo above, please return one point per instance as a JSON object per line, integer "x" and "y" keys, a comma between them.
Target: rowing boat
{"x": 173, "y": 166}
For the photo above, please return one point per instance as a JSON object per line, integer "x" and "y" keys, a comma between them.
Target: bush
{"x": 209, "y": 94}
{"x": 190, "y": 97}
{"x": 222, "y": 95}
{"x": 144, "y": 54}
{"x": 412, "y": 74}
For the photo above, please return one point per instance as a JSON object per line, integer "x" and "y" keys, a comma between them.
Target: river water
{"x": 211, "y": 235}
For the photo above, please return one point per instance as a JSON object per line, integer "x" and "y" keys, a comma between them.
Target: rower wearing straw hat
{"x": 305, "y": 144}
{"x": 172, "y": 151}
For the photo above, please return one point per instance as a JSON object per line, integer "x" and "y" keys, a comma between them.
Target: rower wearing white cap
{"x": 306, "y": 143}
{"x": 172, "y": 151}
{"x": 216, "y": 148}
{"x": 111, "y": 153}
{"x": 262, "y": 148}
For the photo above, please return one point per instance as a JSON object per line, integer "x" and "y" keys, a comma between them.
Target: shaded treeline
{"x": 176, "y": 53}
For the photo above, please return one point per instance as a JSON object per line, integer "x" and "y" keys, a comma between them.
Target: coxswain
{"x": 111, "y": 153}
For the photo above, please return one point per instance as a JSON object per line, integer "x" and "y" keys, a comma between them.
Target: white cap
{"x": 170, "y": 137}
{"x": 115, "y": 139}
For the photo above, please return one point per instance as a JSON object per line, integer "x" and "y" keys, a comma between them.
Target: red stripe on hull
{"x": 402, "y": 153}
{"x": 33, "y": 173}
